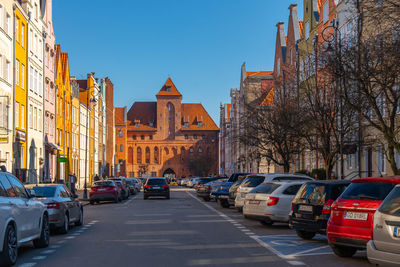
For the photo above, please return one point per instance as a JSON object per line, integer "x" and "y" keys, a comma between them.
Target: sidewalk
{"x": 79, "y": 192}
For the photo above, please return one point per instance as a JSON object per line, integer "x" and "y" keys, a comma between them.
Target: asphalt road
{"x": 182, "y": 231}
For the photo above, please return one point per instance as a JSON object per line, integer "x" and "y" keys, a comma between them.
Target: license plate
{"x": 156, "y": 187}
{"x": 101, "y": 189}
{"x": 396, "y": 232}
{"x": 223, "y": 196}
{"x": 356, "y": 216}
{"x": 254, "y": 202}
{"x": 305, "y": 208}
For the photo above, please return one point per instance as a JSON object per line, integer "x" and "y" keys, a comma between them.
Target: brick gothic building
{"x": 166, "y": 137}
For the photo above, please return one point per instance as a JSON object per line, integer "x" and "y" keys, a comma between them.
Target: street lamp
{"x": 89, "y": 101}
{"x": 336, "y": 37}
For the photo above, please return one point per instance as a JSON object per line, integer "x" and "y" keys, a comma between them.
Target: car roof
{"x": 156, "y": 178}
{"x": 274, "y": 175}
{"x": 330, "y": 181}
{"x": 390, "y": 180}
{"x": 42, "y": 185}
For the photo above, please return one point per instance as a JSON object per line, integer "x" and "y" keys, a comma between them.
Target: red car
{"x": 351, "y": 222}
{"x": 104, "y": 190}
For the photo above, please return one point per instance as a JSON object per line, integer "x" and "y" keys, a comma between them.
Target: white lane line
{"x": 27, "y": 264}
{"x": 54, "y": 246}
{"x": 49, "y": 251}
{"x": 39, "y": 258}
{"x": 70, "y": 237}
{"x": 308, "y": 250}
{"x": 296, "y": 263}
{"x": 61, "y": 242}
{"x": 76, "y": 234}
{"x": 129, "y": 201}
{"x": 249, "y": 233}
{"x": 254, "y": 237}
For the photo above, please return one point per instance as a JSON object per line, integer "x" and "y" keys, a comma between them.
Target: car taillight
{"x": 326, "y": 209}
{"x": 272, "y": 201}
{"x": 165, "y": 186}
{"x": 210, "y": 187}
{"x": 291, "y": 206}
{"x": 93, "y": 189}
{"x": 54, "y": 205}
{"x": 147, "y": 186}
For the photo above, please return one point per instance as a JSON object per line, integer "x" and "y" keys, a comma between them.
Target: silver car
{"x": 22, "y": 219}
{"x": 384, "y": 248}
{"x": 64, "y": 209}
{"x": 254, "y": 180}
{"x": 271, "y": 202}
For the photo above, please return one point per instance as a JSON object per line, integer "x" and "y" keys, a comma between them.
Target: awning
{"x": 53, "y": 146}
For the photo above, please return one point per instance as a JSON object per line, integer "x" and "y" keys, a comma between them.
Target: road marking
{"x": 245, "y": 230}
{"x": 76, "y": 234}
{"x": 296, "y": 263}
{"x": 157, "y": 233}
{"x": 203, "y": 215}
{"x": 39, "y": 258}
{"x": 153, "y": 214}
{"x": 244, "y": 260}
{"x": 249, "y": 233}
{"x": 129, "y": 201}
{"x": 241, "y": 227}
{"x": 148, "y": 221}
{"x": 203, "y": 221}
{"x": 215, "y": 246}
{"x": 27, "y": 264}
{"x": 49, "y": 251}
{"x": 61, "y": 241}
{"x": 54, "y": 246}
{"x": 70, "y": 237}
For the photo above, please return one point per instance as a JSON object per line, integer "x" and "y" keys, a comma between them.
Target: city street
{"x": 182, "y": 231}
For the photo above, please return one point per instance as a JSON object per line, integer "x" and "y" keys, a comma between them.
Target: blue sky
{"x": 200, "y": 44}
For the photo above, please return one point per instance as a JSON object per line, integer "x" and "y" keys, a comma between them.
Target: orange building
{"x": 166, "y": 138}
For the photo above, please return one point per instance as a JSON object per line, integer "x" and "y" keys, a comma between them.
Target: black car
{"x": 311, "y": 207}
{"x": 233, "y": 190}
{"x": 203, "y": 187}
{"x": 157, "y": 187}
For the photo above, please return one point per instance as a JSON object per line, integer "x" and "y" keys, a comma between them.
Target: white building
{"x": 6, "y": 83}
{"x": 83, "y": 145}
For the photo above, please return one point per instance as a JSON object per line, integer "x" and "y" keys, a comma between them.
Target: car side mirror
{"x": 32, "y": 193}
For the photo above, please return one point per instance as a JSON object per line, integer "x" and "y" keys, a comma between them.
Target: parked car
{"x": 384, "y": 248}
{"x": 192, "y": 182}
{"x": 63, "y": 207}
{"x": 23, "y": 218}
{"x": 121, "y": 182}
{"x": 311, "y": 208}
{"x": 271, "y": 201}
{"x": 156, "y": 186}
{"x": 131, "y": 186}
{"x": 138, "y": 184}
{"x": 233, "y": 191}
{"x": 105, "y": 191}
{"x": 350, "y": 224}
{"x": 221, "y": 191}
{"x": 254, "y": 180}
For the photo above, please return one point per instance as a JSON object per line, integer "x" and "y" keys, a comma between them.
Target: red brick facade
{"x": 109, "y": 146}
{"x": 166, "y": 137}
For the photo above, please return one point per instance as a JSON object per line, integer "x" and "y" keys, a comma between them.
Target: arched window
{"x": 174, "y": 151}
{"x": 130, "y": 155}
{"x": 182, "y": 153}
{"x": 200, "y": 150}
{"x": 191, "y": 149}
{"x": 139, "y": 155}
{"x": 208, "y": 150}
{"x": 171, "y": 119}
{"x": 147, "y": 155}
{"x": 166, "y": 151}
{"x": 156, "y": 155}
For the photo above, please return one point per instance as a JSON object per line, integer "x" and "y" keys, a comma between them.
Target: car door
{"x": 67, "y": 202}
{"x": 5, "y": 208}
{"x": 28, "y": 210}
{"x": 74, "y": 204}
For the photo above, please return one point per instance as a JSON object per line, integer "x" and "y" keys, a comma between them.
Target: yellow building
{"x": 75, "y": 123}
{"x": 63, "y": 118}
{"x": 20, "y": 99}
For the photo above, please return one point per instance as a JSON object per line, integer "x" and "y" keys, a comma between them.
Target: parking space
{"x": 290, "y": 246}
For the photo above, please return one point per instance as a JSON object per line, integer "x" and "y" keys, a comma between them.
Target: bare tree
{"x": 368, "y": 65}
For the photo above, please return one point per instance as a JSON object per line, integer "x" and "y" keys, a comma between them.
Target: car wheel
{"x": 116, "y": 199}
{"x": 65, "y": 228}
{"x": 9, "y": 254}
{"x": 144, "y": 197}
{"x": 267, "y": 223}
{"x": 80, "y": 221}
{"x": 344, "y": 252}
{"x": 224, "y": 203}
{"x": 240, "y": 209}
{"x": 167, "y": 197}
{"x": 206, "y": 199}
{"x": 305, "y": 235}
{"x": 91, "y": 202}
{"x": 44, "y": 239}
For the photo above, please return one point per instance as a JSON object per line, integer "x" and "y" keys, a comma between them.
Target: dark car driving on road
{"x": 156, "y": 187}
{"x": 311, "y": 207}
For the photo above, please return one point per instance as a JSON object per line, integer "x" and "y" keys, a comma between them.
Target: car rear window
{"x": 203, "y": 180}
{"x": 367, "y": 191}
{"x": 253, "y": 181}
{"x": 314, "y": 193}
{"x": 266, "y": 188}
{"x": 104, "y": 183}
{"x": 156, "y": 181}
{"x": 391, "y": 205}
{"x": 290, "y": 178}
{"x": 42, "y": 191}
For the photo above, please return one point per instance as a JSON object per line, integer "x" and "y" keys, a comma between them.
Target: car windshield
{"x": 156, "y": 182}
{"x": 314, "y": 193}
{"x": 367, "y": 191}
{"x": 118, "y": 183}
{"x": 391, "y": 205}
{"x": 44, "y": 191}
{"x": 265, "y": 188}
{"x": 104, "y": 183}
{"x": 203, "y": 180}
{"x": 253, "y": 181}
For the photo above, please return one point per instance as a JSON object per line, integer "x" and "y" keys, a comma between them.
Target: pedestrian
{"x": 96, "y": 178}
{"x": 73, "y": 181}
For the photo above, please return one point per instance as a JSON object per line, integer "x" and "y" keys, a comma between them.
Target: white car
{"x": 271, "y": 202}
{"x": 22, "y": 219}
{"x": 384, "y": 248}
{"x": 254, "y": 180}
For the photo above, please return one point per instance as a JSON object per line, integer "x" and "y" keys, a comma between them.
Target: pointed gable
{"x": 195, "y": 113}
{"x": 169, "y": 89}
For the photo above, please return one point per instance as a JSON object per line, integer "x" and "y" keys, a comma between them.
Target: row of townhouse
{"x": 298, "y": 60}
{"x": 52, "y": 125}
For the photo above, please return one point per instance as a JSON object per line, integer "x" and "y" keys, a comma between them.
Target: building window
{"x": 16, "y": 114}
{"x": 199, "y": 124}
{"x": 130, "y": 155}
{"x": 168, "y": 89}
{"x": 151, "y": 124}
{"x": 30, "y": 116}
{"x": 17, "y": 29}
{"x": 35, "y": 118}
{"x": 186, "y": 124}
{"x": 150, "y": 137}
{"x": 307, "y": 30}
{"x": 134, "y": 137}
{"x": 147, "y": 155}
{"x": 22, "y": 34}
{"x": 121, "y": 148}
{"x": 120, "y": 134}
{"x": 186, "y": 136}
{"x": 195, "y": 136}
{"x": 22, "y": 76}
{"x": 203, "y": 137}
{"x": 326, "y": 11}
{"x": 191, "y": 149}
{"x": 156, "y": 155}
{"x": 139, "y": 155}
{"x": 200, "y": 150}
{"x": 142, "y": 137}
{"x": 208, "y": 150}
{"x": 17, "y": 77}
{"x": 22, "y": 116}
